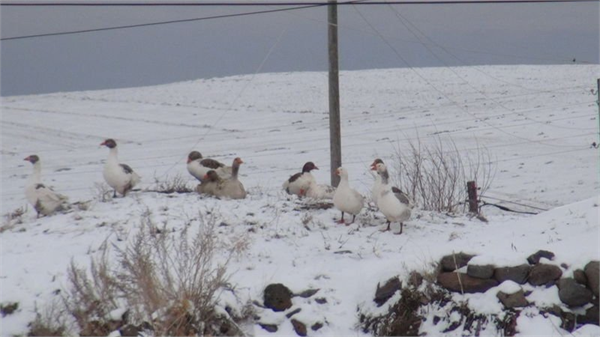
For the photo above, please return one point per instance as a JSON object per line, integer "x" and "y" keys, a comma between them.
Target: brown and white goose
{"x": 377, "y": 185}
{"x": 198, "y": 166}
{"x": 120, "y": 177}
{"x": 230, "y": 187}
{"x": 43, "y": 199}
{"x": 299, "y": 183}
{"x": 346, "y": 199}
{"x": 210, "y": 183}
{"x": 395, "y": 205}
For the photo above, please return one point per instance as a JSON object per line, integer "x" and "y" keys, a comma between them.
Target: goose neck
{"x": 235, "y": 168}
{"x": 36, "y": 175}
{"x": 113, "y": 155}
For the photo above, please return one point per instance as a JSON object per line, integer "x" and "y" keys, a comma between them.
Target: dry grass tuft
{"x": 169, "y": 185}
{"x": 167, "y": 283}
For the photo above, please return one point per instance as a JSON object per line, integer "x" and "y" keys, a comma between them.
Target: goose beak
{"x": 205, "y": 177}
{"x": 27, "y": 159}
{"x": 337, "y": 172}
{"x": 316, "y": 168}
{"x": 373, "y": 168}
{"x": 189, "y": 160}
{"x": 103, "y": 143}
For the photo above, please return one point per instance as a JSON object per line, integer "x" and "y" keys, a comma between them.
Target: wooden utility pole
{"x": 335, "y": 142}
{"x": 472, "y": 193}
{"x": 598, "y": 102}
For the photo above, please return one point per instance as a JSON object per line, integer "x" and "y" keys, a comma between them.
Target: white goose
{"x": 120, "y": 177}
{"x": 198, "y": 166}
{"x": 299, "y": 183}
{"x": 44, "y": 200}
{"x": 346, "y": 199}
{"x": 396, "y": 206}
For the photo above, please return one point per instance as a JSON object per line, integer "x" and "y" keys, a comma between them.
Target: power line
{"x": 154, "y": 23}
{"x": 458, "y": 105}
{"x": 267, "y": 3}
{"x": 298, "y": 6}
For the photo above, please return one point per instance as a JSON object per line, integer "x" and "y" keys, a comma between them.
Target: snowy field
{"x": 538, "y": 123}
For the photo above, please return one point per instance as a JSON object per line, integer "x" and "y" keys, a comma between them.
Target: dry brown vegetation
{"x": 165, "y": 282}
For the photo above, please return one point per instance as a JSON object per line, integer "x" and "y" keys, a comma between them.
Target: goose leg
{"x": 342, "y": 219}
{"x": 387, "y": 229}
{"x": 353, "y": 218}
{"x": 401, "y": 225}
{"x": 114, "y": 193}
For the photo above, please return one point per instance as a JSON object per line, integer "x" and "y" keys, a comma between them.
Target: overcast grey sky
{"x": 472, "y": 34}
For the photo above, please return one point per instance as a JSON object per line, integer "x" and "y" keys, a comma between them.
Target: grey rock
{"x": 516, "y": 274}
{"x": 580, "y": 277}
{"x": 466, "y": 283}
{"x": 480, "y": 271}
{"x": 592, "y": 271}
{"x": 308, "y": 293}
{"x": 277, "y": 297}
{"x": 316, "y": 326}
{"x": 572, "y": 293}
{"x": 542, "y": 274}
{"x": 455, "y": 261}
{"x": 269, "y": 327}
{"x": 591, "y": 316}
{"x": 293, "y": 312}
{"x": 299, "y": 327}
{"x": 382, "y": 294}
{"x": 515, "y": 300}
{"x": 535, "y": 258}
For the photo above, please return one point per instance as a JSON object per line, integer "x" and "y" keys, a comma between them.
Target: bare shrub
{"x": 12, "y": 219}
{"x": 50, "y": 322}
{"x": 168, "y": 283}
{"x": 435, "y": 175}
{"x": 174, "y": 184}
{"x": 103, "y": 192}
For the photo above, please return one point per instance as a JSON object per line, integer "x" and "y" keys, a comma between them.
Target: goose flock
{"x": 222, "y": 181}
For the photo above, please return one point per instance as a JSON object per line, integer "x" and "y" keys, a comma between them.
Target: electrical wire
{"x": 464, "y": 109}
{"x": 269, "y": 3}
{"x": 298, "y": 6}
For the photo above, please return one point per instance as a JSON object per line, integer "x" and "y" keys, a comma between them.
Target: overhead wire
{"x": 159, "y": 23}
{"x": 464, "y": 109}
{"x": 452, "y": 69}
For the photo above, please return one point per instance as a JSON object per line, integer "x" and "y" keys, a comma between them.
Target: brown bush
{"x": 162, "y": 281}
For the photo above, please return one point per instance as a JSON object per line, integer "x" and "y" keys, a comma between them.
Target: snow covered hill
{"x": 537, "y": 122}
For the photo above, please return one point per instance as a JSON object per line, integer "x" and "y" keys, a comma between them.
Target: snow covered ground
{"x": 538, "y": 122}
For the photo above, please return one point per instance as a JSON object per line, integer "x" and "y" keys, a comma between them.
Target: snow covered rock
{"x": 480, "y": 271}
{"x": 515, "y": 300}
{"x": 572, "y": 293}
{"x": 592, "y": 271}
{"x": 459, "y": 282}
{"x": 542, "y": 274}
{"x": 383, "y": 293}
{"x": 455, "y": 261}
{"x": 580, "y": 277}
{"x": 537, "y": 256}
{"x": 516, "y": 274}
